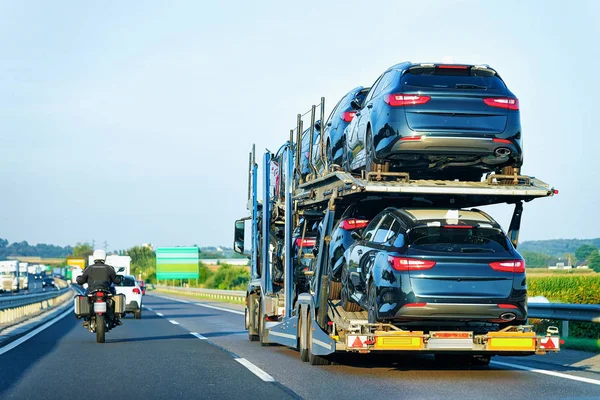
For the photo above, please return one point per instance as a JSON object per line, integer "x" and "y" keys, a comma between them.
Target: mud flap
{"x": 322, "y": 344}
{"x": 285, "y": 332}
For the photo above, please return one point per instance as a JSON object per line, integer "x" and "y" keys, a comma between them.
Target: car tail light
{"x": 411, "y": 138}
{"x": 505, "y": 141}
{"x": 510, "y": 103}
{"x": 401, "y": 100}
{"x": 507, "y": 306}
{"x": 517, "y": 266}
{"x": 99, "y": 294}
{"x": 136, "y": 290}
{"x": 409, "y": 264}
{"x": 451, "y": 67}
{"x": 306, "y": 242}
{"x": 458, "y": 227}
{"x": 415, "y": 305}
{"x": 348, "y": 115}
{"x": 353, "y": 223}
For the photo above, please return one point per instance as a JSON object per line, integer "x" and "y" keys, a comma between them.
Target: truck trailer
{"x": 318, "y": 326}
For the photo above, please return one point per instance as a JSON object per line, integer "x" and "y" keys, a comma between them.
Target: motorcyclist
{"x": 100, "y": 276}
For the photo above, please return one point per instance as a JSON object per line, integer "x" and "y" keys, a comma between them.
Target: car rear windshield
{"x": 464, "y": 241}
{"x": 127, "y": 282}
{"x": 470, "y": 78}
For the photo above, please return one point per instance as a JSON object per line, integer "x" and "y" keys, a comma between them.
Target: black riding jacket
{"x": 99, "y": 275}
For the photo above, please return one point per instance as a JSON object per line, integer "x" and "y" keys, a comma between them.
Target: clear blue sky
{"x": 130, "y": 122}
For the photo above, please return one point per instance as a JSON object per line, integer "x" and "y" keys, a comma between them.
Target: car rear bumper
{"x": 487, "y": 150}
{"x": 455, "y": 312}
{"x": 132, "y": 306}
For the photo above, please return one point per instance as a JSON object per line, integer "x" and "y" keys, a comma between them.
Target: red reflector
{"x": 409, "y": 264}
{"x": 415, "y": 305}
{"x": 457, "y": 227}
{"x": 555, "y": 191}
{"x": 451, "y": 66}
{"x": 506, "y": 306}
{"x": 502, "y": 141}
{"x": 353, "y": 223}
{"x": 306, "y": 242}
{"x": 400, "y": 100}
{"x": 562, "y": 341}
{"x": 517, "y": 266}
{"x": 330, "y": 323}
{"x": 509, "y": 103}
{"x": 370, "y": 342}
{"x": 348, "y": 115}
{"x": 99, "y": 294}
{"x": 136, "y": 290}
{"x": 411, "y": 138}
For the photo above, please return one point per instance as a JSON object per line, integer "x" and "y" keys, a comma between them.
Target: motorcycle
{"x": 100, "y": 309}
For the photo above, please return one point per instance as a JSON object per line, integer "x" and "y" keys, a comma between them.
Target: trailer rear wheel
{"x": 262, "y": 331}
{"x": 250, "y": 318}
{"x": 303, "y": 335}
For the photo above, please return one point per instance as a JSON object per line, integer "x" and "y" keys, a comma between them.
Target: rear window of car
{"x": 125, "y": 281}
{"x": 464, "y": 241}
{"x": 471, "y": 78}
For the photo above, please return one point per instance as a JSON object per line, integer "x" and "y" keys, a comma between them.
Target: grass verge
{"x": 203, "y": 296}
{"x": 591, "y": 345}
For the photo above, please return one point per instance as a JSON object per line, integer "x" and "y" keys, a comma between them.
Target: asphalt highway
{"x": 186, "y": 348}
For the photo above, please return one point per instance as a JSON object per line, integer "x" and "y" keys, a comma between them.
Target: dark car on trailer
{"x": 420, "y": 267}
{"x": 446, "y": 121}
{"x": 333, "y": 137}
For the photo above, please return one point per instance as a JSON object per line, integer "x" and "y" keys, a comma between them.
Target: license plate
{"x": 99, "y": 307}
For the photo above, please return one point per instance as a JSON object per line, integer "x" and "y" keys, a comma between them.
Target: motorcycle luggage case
{"x": 82, "y": 306}
{"x": 119, "y": 300}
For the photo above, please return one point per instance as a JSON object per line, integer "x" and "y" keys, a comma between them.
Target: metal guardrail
{"x": 237, "y": 296}
{"x": 15, "y": 308}
{"x": 565, "y": 312}
{"x": 7, "y": 302}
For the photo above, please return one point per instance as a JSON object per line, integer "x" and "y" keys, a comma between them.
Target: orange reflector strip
{"x": 511, "y": 343}
{"x": 398, "y": 343}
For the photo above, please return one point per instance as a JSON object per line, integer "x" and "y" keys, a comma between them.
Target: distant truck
{"x": 117, "y": 262}
{"x": 9, "y": 281}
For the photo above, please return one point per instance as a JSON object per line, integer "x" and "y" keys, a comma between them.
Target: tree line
{"x": 584, "y": 254}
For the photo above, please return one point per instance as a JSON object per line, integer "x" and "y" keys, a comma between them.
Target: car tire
{"x": 370, "y": 164}
{"x": 347, "y": 305}
{"x": 335, "y": 287}
{"x": 372, "y": 304}
{"x": 100, "y": 328}
{"x": 138, "y": 314}
{"x": 345, "y": 161}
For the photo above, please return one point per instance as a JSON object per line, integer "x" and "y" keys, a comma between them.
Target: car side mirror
{"x": 121, "y": 269}
{"x": 355, "y": 104}
{"x": 318, "y": 125}
{"x": 356, "y": 235}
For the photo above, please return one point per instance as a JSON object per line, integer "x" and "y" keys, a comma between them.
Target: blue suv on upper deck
{"x": 436, "y": 121}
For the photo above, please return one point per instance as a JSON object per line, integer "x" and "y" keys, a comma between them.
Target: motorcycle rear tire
{"x": 100, "y": 328}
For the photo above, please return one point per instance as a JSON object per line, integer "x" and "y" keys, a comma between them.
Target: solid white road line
{"x": 159, "y": 314}
{"x": 545, "y": 372}
{"x": 199, "y": 336}
{"x": 31, "y": 334}
{"x": 222, "y": 309}
{"x": 174, "y": 322}
{"x": 255, "y": 370}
